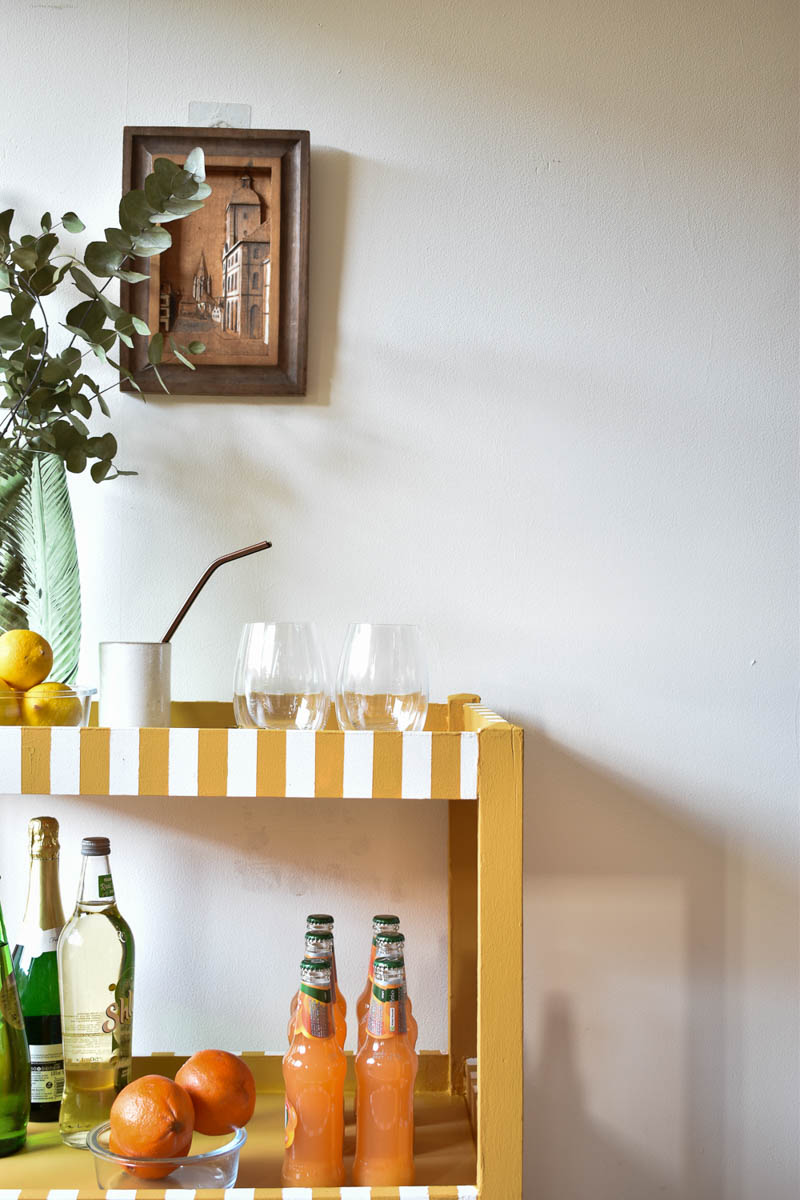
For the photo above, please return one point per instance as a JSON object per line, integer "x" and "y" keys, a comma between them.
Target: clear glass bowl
{"x": 215, "y": 1166}
{"x": 65, "y": 704}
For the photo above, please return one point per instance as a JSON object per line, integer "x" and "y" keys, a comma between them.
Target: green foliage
{"x": 46, "y": 394}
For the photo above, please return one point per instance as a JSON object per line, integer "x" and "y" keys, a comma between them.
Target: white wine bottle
{"x": 95, "y": 970}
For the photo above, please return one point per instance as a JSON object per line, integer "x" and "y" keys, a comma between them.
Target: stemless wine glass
{"x": 383, "y": 678}
{"x": 279, "y": 681}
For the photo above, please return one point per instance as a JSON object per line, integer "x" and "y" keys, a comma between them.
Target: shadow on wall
{"x": 625, "y": 957}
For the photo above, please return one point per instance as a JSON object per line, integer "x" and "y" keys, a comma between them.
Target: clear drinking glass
{"x": 280, "y": 680}
{"x": 383, "y": 678}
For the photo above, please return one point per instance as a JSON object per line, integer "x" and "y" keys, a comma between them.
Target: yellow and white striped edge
{"x": 415, "y": 1192}
{"x": 238, "y": 762}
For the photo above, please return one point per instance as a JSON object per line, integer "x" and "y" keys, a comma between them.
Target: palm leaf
{"x": 39, "y": 579}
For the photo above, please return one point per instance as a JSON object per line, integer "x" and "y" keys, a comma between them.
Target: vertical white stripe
{"x": 123, "y": 762}
{"x": 182, "y": 762}
{"x": 242, "y": 758}
{"x": 298, "y": 1193}
{"x": 300, "y": 762}
{"x": 179, "y": 1193}
{"x": 240, "y": 1193}
{"x": 9, "y": 1193}
{"x": 357, "y": 772}
{"x": 65, "y": 762}
{"x": 62, "y": 1194}
{"x": 10, "y": 759}
{"x": 121, "y": 1193}
{"x": 467, "y": 1191}
{"x": 413, "y": 1192}
{"x": 469, "y": 766}
{"x": 416, "y": 766}
{"x": 355, "y": 1193}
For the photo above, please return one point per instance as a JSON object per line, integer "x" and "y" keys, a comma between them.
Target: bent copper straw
{"x": 203, "y": 580}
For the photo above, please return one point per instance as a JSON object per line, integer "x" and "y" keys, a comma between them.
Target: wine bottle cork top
{"x": 43, "y": 833}
{"x": 94, "y": 846}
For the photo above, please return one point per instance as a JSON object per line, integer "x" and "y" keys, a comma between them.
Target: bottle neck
{"x": 43, "y": 908}
{"x": 96, "y": 887}
{"x": 314, "y": 1012}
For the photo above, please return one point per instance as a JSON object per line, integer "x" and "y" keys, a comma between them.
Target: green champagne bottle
{"x": 15, "y": 1066}
{"x": 36, "y": 969}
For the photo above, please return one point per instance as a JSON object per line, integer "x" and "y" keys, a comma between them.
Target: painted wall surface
{"x": 552, "y": 417}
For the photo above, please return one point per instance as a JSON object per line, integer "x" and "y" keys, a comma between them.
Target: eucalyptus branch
{"x": 50, "y": 404}
{"x": 10, "y": 420}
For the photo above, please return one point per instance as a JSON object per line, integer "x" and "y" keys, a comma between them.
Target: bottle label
{"x": 317, "y": 1009}
{"x": 10, "y": 1009}
{"x": 387, "y": 1012}
{"x": 35, "y": 942}
{"x": 47, "y": 1073}
{"x": 289, "y": 1122}
{"x": 105, "y": 886}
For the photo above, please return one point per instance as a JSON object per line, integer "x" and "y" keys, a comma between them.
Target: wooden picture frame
{"x": 247, "y": 298}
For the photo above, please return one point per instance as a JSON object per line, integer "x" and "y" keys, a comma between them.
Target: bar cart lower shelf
{"x": 444, "y": 1147}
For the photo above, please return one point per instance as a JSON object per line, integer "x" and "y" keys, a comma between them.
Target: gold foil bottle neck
{"x": 43, "y": 833}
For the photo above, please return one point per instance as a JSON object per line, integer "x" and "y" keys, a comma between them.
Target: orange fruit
{"x": 151, "y": 1118}
{"x": 222, "y": 1090}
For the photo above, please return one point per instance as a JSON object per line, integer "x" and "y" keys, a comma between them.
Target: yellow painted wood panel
{"x": 500, "y": 963}
{"x": 153, "y": 762}
{"x": 445, "y": 766}
{"x": 462, "y": 975}
{"x": 94, "y": 762}
{"x": 212, "y": 762}
{"x": 35, "y": 762}
{"x": 387, "y": 766}
{"x": 329, "y": 764}
{"x": 271, "y": 764}
{"x": 455, "y": 710}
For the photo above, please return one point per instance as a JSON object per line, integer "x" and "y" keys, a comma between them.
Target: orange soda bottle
{"x": 381, "y": 923}
{"x": 391, "y": 945}
{"x": 386, "y": 1068}
{"x": 319, "y": 946}
{"x": 314, "y": 1068}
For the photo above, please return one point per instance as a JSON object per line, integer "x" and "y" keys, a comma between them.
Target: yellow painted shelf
{"x": 467, "y": 756}
{"x": 444, "y": 1148}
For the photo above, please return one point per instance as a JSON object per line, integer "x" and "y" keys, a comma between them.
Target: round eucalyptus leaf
{"x": 72, "y": 222}
{"x": 152, "y": 241}
{"x": 102, "y": 259}
{"x": 75, "y": 460}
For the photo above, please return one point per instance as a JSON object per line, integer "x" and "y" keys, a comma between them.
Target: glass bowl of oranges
{"x": 214, "y": 1163}
{"x": 27, "y": 695}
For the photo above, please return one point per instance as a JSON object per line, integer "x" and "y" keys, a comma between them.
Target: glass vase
{"x": 39, "y": 579}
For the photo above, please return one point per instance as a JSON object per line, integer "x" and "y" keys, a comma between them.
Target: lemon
{"x": 9, "y": 705}
{"x": 25, "y": 658}
{"x": 51, "y": 704}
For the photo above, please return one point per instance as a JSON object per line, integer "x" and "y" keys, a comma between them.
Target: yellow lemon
{"x": 25, "y": 658}
{"x": 9, "y": 705}
{"x": 51, "y": 704}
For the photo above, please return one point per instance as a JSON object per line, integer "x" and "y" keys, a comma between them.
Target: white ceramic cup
{"x": 135, "y": 684}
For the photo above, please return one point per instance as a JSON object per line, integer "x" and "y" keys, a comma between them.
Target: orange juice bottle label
{"x": 289, "y": 1122}
{"x": 387, "y": 1012}
{"x": 317, "y": 1010}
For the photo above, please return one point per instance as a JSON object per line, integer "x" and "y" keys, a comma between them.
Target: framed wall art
{"x": 236, "y": 275}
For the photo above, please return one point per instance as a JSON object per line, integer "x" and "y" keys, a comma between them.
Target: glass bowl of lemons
{"x": 27, "y": 695}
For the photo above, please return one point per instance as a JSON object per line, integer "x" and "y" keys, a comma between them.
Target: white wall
{"x": 551, "y": 416}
